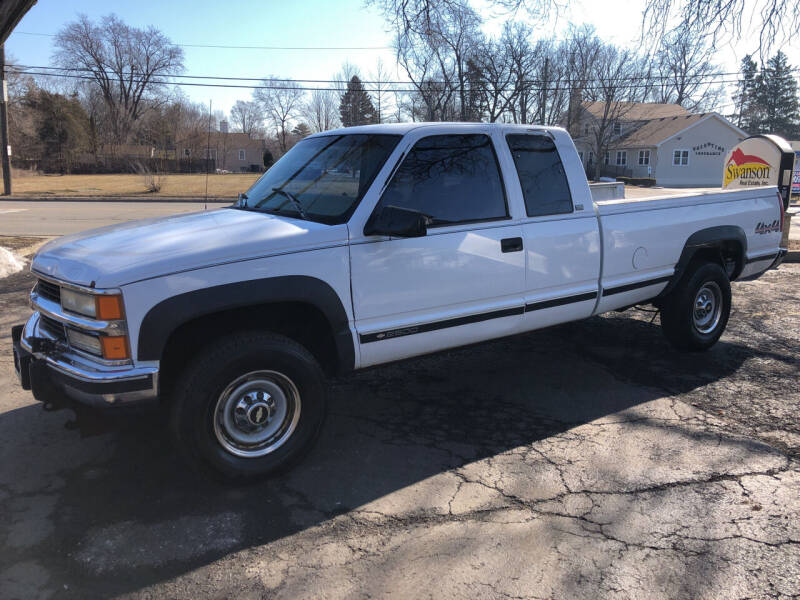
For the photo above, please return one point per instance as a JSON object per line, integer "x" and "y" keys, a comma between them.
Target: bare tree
{"x": 246, "y": 117}
{"x": 683, "y": 73}
{"x": 777, "y": 21}
{"x": 322, "y": 110}
{"x": 614, "y": 94}
{"x": 129, "y": 65}
{"x": 580, "y": 55}
{"x": 433, "y": 98}
{"x": 495, "y": 81}
{"x": 280, "y": 99}
{"x": 381, "y": 88}
{"x": 435, "y": 52}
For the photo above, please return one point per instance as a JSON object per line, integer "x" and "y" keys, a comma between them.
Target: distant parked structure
{"x": 235, "y": 152}
{"x": 663, "y": 142}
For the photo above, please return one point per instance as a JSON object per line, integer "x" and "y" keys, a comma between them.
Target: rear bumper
{"x": 52, "y": 372}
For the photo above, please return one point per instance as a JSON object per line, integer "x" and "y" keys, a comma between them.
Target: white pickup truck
{"x": 359, "y": 247}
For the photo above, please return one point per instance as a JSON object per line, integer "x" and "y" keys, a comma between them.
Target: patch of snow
{"x": 10, "y": 263}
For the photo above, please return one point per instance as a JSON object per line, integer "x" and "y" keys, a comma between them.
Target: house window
{"x": 644, "y": 157}
{"x": 680, "y": 158}
{"x": 617, "y": 128}
{"x": 607, "y": 159}
{"x": 210, "y": 153}
{"x": 187, "y": 152}
{"x": 242, "y": 154}
{"x": 622, "y": 159}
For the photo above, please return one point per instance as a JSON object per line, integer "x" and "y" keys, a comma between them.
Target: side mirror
{"x": 398, "y": 222}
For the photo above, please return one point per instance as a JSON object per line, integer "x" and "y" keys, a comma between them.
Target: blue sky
{"x": 269, "y": 23}
{"x": 303, "y": 23}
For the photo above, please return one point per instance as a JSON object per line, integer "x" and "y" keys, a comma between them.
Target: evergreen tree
{"x": 302, "y": 130}
{"x": 62, "y": 128}
{"x": 745, "y": 96}
{"x": 776, "y": 96}
{"x": 356, "y": 106}
{"x": 268, "y": 159}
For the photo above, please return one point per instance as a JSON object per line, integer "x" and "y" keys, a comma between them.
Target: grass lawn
{"x": 225, "y": 186}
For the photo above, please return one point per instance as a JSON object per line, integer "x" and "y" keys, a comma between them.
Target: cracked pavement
{"x": 588, "y": 460}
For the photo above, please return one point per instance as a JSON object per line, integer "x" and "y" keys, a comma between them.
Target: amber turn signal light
{"x": 114, "y": 347}
{"x": 108, "y": 308}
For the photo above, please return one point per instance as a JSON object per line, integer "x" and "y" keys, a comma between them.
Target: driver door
{"x": 463, "y": 281}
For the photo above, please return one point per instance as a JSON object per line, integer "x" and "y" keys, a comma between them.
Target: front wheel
{"x": 694, "y": 315}
{"x": 249, "y": 406}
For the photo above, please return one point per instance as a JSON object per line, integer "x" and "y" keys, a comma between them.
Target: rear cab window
{"x": 453, "y": 179}
{"x": 541, "y": 175}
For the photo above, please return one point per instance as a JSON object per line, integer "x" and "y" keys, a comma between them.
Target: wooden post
{"x": 6, "y": 154}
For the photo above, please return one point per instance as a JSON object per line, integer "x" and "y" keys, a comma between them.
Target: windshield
{"x": 321, "y": 178}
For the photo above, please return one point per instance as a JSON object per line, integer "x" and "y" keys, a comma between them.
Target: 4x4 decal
{"x": 763, "y": 228}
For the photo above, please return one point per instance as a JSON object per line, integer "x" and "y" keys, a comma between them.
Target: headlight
{"x": 106, "y": 308}
{"x": 83, "y": 304}
{"x": 84, "y": 341}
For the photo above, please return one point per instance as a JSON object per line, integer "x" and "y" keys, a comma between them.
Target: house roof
{"x": 656, "y": 131}
{"x": 636, "y": 111}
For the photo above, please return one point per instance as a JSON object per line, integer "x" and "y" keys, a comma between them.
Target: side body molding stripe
{"x": 166, "y": 316}
{"x": 366, "y": 338}
{"x": 635, "y": 286}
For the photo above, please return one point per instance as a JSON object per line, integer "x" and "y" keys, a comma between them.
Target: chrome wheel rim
{"x": 707, "y": 309}
{"x": 256, "y": 413}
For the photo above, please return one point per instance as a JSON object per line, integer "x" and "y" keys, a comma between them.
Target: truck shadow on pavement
{"x": 105, "y": 507}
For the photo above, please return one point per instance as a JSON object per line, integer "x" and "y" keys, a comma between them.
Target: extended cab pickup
{"x": 359, "y": 247}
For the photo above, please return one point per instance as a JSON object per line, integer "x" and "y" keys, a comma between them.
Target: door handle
{"x": 511, "y": 244}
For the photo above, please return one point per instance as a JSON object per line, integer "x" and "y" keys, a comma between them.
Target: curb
{"x": 132, "y": 199}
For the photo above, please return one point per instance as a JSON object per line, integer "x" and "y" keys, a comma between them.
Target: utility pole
{"x": 6, "y": 149}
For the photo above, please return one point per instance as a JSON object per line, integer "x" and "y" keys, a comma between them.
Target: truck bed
{"x": 643, "y": 237}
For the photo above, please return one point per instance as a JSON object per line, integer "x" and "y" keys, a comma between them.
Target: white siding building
{"x": 676, "y": 148}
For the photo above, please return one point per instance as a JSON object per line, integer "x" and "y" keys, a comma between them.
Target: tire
{"x": 695, "y": 314}
{"x": 249, "y": 406}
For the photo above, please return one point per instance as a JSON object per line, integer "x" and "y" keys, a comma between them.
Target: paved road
{"x": 588, "y": 460}
{"x": 60, "y": 218}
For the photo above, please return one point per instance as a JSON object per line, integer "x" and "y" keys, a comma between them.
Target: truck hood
{"x": 120, "y": 254}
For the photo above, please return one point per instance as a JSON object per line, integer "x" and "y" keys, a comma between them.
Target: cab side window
{"x": 541, "y": 175}
{"x": 451, "y": 178}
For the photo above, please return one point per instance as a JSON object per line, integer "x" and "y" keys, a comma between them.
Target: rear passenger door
{"x": 560, "y": 230}
{"x": 461, "y": 283}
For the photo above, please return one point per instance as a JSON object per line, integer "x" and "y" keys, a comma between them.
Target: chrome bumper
{"x": 78, "y": 377}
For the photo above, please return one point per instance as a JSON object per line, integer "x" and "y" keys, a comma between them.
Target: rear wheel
{"x": 695, "y": 314}
{"x": 249, "y": 406}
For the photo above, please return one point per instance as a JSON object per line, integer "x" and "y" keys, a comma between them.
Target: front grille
{"x": 53, "y": 327}
{"x": 49, "y": 291}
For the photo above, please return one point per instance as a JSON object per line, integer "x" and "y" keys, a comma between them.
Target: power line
{"x": 702, "y": 79}
{"x": 595, "y": 87}
{"x": 227, "y": 47}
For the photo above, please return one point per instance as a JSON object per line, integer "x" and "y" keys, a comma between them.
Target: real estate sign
{"x": 796, "y": 175}
{"x": 760, "y": 160}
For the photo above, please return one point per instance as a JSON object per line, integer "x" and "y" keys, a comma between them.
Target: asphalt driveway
{"x": 588, "y": 460}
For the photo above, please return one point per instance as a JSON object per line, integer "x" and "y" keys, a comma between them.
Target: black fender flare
{"x": 166, "y": 316}
{"x": 712, "y": 237}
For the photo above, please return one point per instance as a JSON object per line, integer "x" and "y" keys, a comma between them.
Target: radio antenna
{"x": 208, "y": 153}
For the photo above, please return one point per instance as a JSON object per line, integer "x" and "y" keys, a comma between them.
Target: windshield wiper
{"x": 293, "y": 199}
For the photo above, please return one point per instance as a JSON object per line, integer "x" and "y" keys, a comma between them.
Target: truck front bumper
{"x": 54, "y": 373}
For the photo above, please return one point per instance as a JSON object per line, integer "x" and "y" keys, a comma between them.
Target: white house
{"x": 661, "y": 141}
